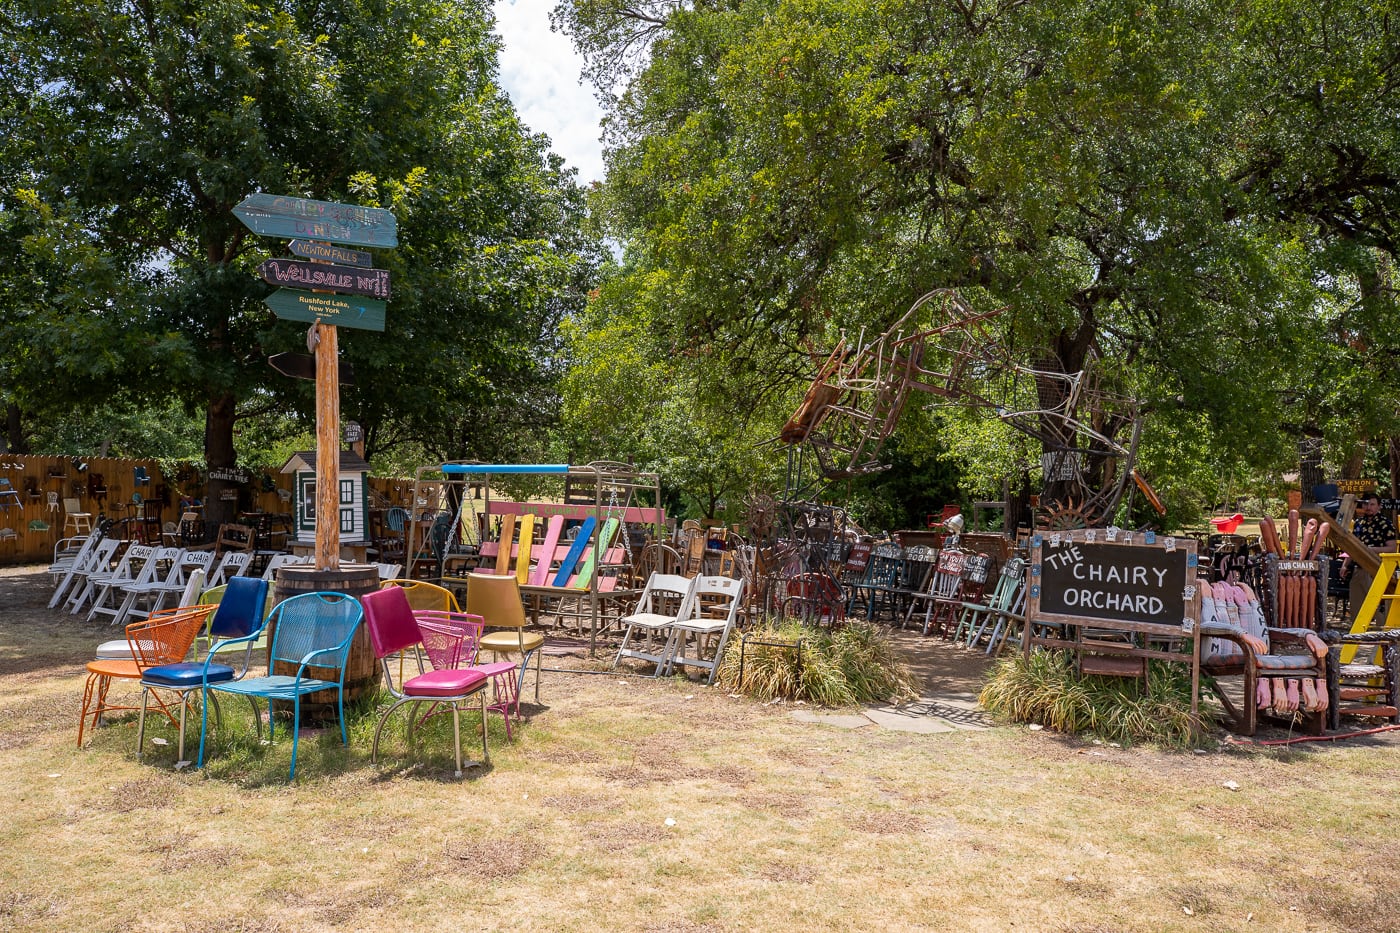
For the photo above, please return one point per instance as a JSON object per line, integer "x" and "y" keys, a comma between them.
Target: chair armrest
{"x": 1300, "y": 637}
{"x": 1249, "y": 644}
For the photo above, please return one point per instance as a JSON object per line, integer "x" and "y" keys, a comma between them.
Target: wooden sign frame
{"x": 1101, "y": 560}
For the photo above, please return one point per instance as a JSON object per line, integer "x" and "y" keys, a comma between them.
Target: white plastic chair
{"x": 652, "y": 620}
{"x": 98, "y": 559}
{"x": 706, "y": 619}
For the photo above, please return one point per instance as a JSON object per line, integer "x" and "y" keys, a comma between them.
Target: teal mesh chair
{"x": 310, "y": 630}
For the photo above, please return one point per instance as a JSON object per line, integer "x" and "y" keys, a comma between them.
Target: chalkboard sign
{"x": 1084, "y": 577}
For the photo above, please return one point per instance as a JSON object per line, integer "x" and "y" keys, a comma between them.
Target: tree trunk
{"x": 1310, "y": 472}
{"x": 219, "y": 419}
{"x": 16, "y": 438}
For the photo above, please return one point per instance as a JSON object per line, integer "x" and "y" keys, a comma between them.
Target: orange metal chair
{"x": 161, "y": 639}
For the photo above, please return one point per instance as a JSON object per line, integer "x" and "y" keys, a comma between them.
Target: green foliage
{"x": 1202, "y": 195}
{"x": 855, "y": 664}
{"x": 1046, "y": 689}
{"x": 144, "y": 124}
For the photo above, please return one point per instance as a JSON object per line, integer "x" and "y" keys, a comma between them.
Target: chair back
{"x": 947, "y": 577}
{"x": 450, "y": 639}
{"x": 919, "y": 562}
{"x": 231, "y": 564}
{"x": 71, "y": 506}
{"x": 166, "y": 639}
{"x": 886, "y": 563}
{"x": 194, "y": 588}
{"x": 662, "y": 588}
{"x": 213, "y": 596}
{"x": 496, "y": 600}
{"x": 240, "y": 611}
{"x": 389, "y": 618}
{"x": 315, "y": 623}
{"x": 715, "y": 593}
{"x": 424, "y": 595}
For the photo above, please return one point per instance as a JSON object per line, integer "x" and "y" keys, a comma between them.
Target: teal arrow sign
{"x": 291, "y": 304}
{"x": 282, "y": 216}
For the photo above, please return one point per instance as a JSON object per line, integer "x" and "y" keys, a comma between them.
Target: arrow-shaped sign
{"x": 292, "y": 304}
{"x": 282, "y": 216}
{"x": 303, "y": 366}
{"x": 310, "y": 249}
{"x": 345, "y": 279}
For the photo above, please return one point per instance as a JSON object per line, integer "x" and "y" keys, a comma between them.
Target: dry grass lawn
{"x": 642, "y": 805}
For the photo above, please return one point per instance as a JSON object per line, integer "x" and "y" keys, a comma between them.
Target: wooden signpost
{"x": 1116, "y": 598}
{"x": 348, "y": 280}
{"x": 320, "y": 226}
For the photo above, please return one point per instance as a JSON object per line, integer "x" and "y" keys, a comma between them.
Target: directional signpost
{"x": 345, "y": 292}
{"x": 303, "y": 366}
{"x": 347, "y": 280}
{"x": 279, "y": 216}
{"x": 325, "y": 252}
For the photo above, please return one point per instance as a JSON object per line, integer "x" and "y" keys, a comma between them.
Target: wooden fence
{"x": 115, "y": 487}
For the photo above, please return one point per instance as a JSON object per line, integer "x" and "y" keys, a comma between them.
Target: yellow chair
{"x": 497, "y": 601}
{"x": 423, "y": 595}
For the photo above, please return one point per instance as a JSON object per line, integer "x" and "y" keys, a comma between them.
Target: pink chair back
{"x": 389, "y": 618}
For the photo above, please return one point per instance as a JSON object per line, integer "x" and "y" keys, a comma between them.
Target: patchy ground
{"x": 664, "y": 805}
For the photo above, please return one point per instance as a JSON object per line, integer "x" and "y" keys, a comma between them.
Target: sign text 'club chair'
{"x": 238, "y": 618}
{"x": 311, "y": 630}
{"x": 394, "y": 631}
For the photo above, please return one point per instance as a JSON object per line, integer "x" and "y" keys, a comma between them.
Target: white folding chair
{"x": 232, "y": 564}
{"x": 139, "y": 566}
{"x": 714, "y": 605}
{"x": 79, "y": 596}
{"x": 666, "y": 597}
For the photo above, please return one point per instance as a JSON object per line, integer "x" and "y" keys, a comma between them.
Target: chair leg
{"x": 457, "y": 735}
{"x": 141, "y": 727}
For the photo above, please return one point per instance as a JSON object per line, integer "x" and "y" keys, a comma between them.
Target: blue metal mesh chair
{"x": 310, "y": 630}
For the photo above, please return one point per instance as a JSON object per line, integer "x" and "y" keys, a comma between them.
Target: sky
{"x": 541, "y": 73}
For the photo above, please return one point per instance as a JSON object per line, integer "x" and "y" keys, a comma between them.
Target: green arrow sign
{"x": 281, "y": 216}
{"x": 291, "y": 304}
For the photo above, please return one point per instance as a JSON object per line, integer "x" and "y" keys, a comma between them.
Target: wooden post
{"x": 327, "y": 449}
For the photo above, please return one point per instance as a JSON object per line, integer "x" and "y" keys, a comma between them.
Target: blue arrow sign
{"x": 282, "y": 216}
{"x": 291, "y": 304}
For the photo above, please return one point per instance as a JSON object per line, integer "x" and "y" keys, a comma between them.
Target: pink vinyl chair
{"x": 393, "y": 631}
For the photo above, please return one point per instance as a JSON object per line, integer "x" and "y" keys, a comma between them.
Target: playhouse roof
{"x": 302, "y": 460}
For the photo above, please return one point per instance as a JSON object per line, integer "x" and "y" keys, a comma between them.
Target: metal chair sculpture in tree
{"x": 311, "y": 630}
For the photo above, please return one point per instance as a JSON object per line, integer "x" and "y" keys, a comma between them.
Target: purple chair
{"x": 393, "y": 630}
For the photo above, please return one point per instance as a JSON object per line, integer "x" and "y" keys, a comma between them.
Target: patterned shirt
{"x": 1374, "y": 530}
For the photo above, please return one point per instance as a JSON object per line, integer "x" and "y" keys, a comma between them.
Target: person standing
{"x": 1377, "y": 532}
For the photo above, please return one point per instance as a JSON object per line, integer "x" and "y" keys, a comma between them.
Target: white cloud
{"x": 541, "y": 73}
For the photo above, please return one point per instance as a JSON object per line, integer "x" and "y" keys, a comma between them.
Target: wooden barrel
{"x": 362, "y": 670}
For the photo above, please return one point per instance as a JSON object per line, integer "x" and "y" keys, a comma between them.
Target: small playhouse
{"x": 354, "y": 497}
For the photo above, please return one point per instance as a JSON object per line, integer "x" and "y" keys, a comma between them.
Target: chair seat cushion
{"x": 117, "y": 649}
{"x": 185, "y": 674}
{"x": 648, "y": 620}
{"x": 510, "y": 641}
{"x": 115, "y": 668}
{"x": 445, "y": 683}
{"x": 1286, "y": 662}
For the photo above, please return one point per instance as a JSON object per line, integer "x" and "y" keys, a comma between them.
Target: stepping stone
{"x": 831, "y": 719}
